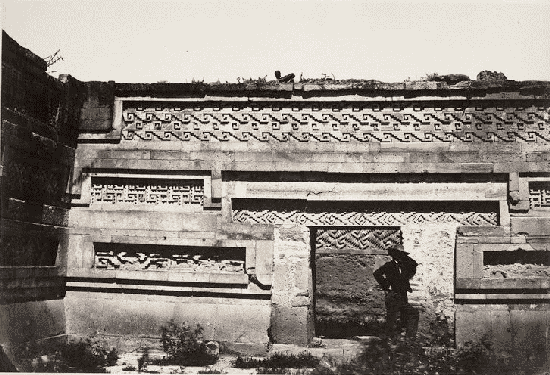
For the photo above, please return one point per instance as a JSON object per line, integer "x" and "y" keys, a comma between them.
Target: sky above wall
{"x": 181, "y": 41}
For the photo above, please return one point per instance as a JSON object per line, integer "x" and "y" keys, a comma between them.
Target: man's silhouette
{"x": 394, "y": 278}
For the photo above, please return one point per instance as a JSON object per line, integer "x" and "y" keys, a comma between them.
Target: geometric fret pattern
{"x": 350, "y": 123}
{"x": 539, "y": 194}
{"x": 149, "y": 192}
{"x": 355, "y": 239}
{"x": 141, "y": 257}
{"x": 251, "y": 216}
{"x": 175, "y": 262}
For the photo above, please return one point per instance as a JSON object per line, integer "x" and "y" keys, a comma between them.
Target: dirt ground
{"x": 328, "y": 350}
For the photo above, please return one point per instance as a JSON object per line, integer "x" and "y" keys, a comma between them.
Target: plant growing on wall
{"x": 185, "y": 345}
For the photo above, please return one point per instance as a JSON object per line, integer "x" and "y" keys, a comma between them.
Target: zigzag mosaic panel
{"x": 355, "y": 239}
{"x": 539, "y": 194}
{"x": 251, "y": 216}
{"x": 149, "y": 192}
{"x": 313, "y": 123}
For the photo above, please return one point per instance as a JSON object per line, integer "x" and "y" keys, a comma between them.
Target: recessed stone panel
{"x": 144, "y": 257}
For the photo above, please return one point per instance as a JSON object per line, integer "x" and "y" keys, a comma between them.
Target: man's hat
{"x": 397, "y": 249}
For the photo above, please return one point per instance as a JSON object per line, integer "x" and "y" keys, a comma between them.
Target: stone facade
{"x": 268, "y": 206}
{"x": 38, "y": 141}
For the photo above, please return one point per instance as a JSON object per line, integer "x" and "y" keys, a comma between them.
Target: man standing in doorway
{"x": 394, "y": 278}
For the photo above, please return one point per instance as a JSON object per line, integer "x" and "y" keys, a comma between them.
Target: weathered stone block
{"x": 302, "y": 274}
{"x": 528, "y": 330}
{"x": 97, "y": 111}
{"x": 264, "y": 257}
{"x": 169, "y": 155}
{"x": 467, "y": 283}
{"x": 141, "y": 275}
{"x": 501, "y": 247}
{"x": 518, "y": 239}
{"x": 501, "y": 336}
{"x": 467, "y": 240}
{"x": 464, "y": 261}
{"x": 130, "y": 154}
{"x": 513, "y": 181}
{"x": 540, "y": 243}
{"x": 495, "y": 240}
{"x": 533, "y": 226}
{"x": 80, "y": 250}
{"x": 250, "y": 261}
{"x": 467, "y": 327}
{"x": 26, "y": 321}
{"x": 528, "y": 283}
{"x": 216, "y": 187}
{"x": 477, "y": 167}
{"x": 283, "y": 281}
{"x": 237, "y": 231}
{"x": 169, "y": 221}
{"x": 221, "y": 317}
{"x": 292, "y": 233}
{"x": 477, "y": 262}
{"x": 537, "y": 156}
{"x": 292, "y": 249}
{"x": 223, "y": 278}
{"x": 300, "y": 301}
{"x": 289, "y": 325}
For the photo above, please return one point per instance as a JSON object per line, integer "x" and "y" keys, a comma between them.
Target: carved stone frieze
{"x": 147, "y": 191}
{"x": 140, "y": 257}
{"x": 355, "y": 239}
{"x": 539, "y": 194}
{"x": 313, "y": 123}
{"x": 251, "y": 216}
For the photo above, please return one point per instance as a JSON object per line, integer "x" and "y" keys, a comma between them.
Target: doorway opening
{"x": 347, "y": 300}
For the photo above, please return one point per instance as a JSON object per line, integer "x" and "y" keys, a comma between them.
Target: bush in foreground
{"x": 278, "y": 362}
{"x": 412, "y": 357}
{"x": 84, "y": 355}
{"x": 185, "y": 345}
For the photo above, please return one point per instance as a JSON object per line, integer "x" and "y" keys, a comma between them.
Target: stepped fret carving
{"x": 175, "y": 262}
{"x": 363, "y": 218}
{"x": 157, "y": 192}
{"x": 356, "y": 239}
{"x": 349, "y": 124}
{"x": 539, "y": 194}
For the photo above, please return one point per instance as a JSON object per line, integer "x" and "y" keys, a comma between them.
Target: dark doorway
{"x": 347, "y": 300}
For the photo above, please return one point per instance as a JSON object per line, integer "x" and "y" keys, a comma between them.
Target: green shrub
{"x": 185, "y": 346}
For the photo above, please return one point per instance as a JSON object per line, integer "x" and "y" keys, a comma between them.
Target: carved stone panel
{"x": 358, "y": 240}
{"x": 362, "y": 214}
{"x": 138, "y": 257}
{"x": 405, "y": 122}
{"x": 147, "y": 191}
{"x": 539, "y": 194}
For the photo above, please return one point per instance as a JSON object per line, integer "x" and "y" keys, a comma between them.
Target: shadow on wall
{"x": 5, "y": 363}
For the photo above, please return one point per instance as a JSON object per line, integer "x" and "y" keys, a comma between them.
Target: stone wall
{"x": 433, "y": 247}
{"x": 262, "y": 167}
{"x": 292, "y": 158}
{"x": 510, "y": 309}
{"x": 201, "y": 203}
{"x": 38, "y": 140}
{"x": 178, "y": 262}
